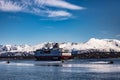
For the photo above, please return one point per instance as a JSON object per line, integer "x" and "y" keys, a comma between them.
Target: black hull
{"x": 52, "y": 58}
{"x": 48, "y": 58}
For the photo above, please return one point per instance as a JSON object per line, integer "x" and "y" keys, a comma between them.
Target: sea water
{"x": 78, "y": 69}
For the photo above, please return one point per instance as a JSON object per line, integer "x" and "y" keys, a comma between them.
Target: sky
{"x": 37, "y": 21}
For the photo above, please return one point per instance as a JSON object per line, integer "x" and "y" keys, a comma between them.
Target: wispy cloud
{"x": 40, "y": 7}
{"x": 55, "y": 19}
{"x": 59, "y": 13}
{"x": 104, "y": 32}
{"x": 58, "y": 3}
{"x": 9, "y": 6}
{"x": 118, "y": 35}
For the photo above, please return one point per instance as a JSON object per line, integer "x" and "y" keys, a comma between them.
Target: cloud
{"x": 58, "y": 13}
{"x": 46, "y": 8}
{"x": 118, "y": 35}
{"x": 55, "y": 19}
{"x": 9, "y": 6}
{"x": 104, "y": 32}
{"x": 58, "y": 3}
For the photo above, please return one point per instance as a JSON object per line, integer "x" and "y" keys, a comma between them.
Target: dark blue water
{"x": 82, "y": 69}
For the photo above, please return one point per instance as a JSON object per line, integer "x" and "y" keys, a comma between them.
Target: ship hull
{"x": 52, "y": 58}
{"x": 47, "y": 58}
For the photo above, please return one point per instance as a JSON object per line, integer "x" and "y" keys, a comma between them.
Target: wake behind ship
{"x": 54, "y": 53}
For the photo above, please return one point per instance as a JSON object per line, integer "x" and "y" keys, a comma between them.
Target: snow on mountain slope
{"x": 99, "y": 44}
{"x": 15, "y": 48}
{"x": 103, "y": 44}
{"x": 93, "y": 44}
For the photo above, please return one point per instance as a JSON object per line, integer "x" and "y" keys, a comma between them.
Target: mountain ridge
{"x": 106, "y": 45}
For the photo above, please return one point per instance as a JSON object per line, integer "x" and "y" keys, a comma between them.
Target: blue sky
{"x": 36, "y": 21}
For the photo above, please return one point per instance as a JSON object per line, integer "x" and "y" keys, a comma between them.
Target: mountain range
{"x": 101, "y": 45}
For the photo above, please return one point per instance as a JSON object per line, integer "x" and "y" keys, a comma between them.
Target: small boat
{"x": 8, "y": 62}
{"x": 110, "y": 62}
{"x": 54, "y": 54}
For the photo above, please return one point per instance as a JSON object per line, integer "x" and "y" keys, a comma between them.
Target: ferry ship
{"x": 54, "y": 53}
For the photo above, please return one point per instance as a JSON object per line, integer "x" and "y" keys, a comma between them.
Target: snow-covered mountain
{"x": 14, "y": 48}
{"x": 103, "y": 45}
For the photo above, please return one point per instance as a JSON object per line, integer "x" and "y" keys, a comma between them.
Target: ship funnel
{"x": 56, "y": 45}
